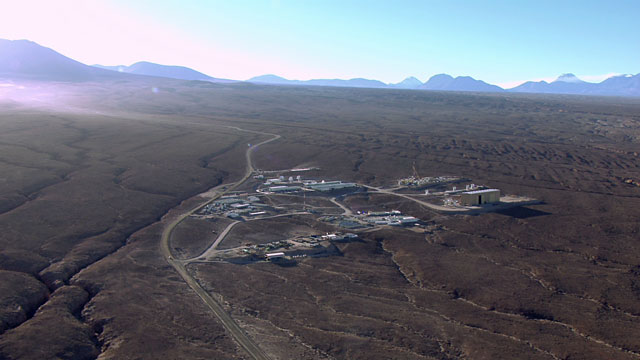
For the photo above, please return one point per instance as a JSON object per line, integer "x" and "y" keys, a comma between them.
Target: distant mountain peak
{"x": 409, "y": 83}
{"x": 445, "y": 82}
{"x": 569, "y": 78}
{"x": 441, "y": 76}
{"x": 269, "y": 78}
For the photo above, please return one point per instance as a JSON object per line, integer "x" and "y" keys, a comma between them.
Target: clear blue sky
{"x": 499, "y": 41}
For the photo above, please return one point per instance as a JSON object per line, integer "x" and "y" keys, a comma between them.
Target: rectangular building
{"x": 479, "y": 197}
{"x": 277, "y": 255}
{"x": 281, "y": 189}
{"x": 330, "y": 186}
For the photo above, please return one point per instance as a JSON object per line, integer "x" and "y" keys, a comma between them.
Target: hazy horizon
{"x": 500, "y": 42}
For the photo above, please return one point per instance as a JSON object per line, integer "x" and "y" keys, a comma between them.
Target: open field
{"x": 90, "y": 176}
{"x": 193, "y": 236}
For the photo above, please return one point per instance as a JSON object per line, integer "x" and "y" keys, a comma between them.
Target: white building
{"x": 277, "y": 255}
{"x": 479, "y": 197}
{"x": 284, "y": 188}
{"x": 330, "y": 185}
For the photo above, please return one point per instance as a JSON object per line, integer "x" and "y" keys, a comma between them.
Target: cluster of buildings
{"x": 393, "y": 218}
{"x": 426, "y": 181}
{"x": 235, "y": 207}
{"x": 282, "y": 180}
{"x": 283, "y": 185}
{"x": 370, "y": 219}
{"x": 339, "y": 237}
{"x": 268, "y": 246}
{"x": 307, "y": 245}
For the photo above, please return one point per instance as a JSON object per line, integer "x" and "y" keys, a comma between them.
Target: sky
{"x": 504, "y": 42}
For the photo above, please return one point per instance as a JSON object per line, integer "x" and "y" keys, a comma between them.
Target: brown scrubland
{"x": 91, "y": 173}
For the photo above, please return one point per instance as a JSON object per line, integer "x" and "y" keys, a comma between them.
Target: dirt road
{"x": 236, "y": 332}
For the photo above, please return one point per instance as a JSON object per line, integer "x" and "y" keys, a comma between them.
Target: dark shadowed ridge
{"x": 167, "y": 71}
{"x": 23, "y": 59}
{"x": 444, "y": 82}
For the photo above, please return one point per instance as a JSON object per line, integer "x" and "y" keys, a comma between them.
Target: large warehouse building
{"x": 330, "y": 185}
{"x": 284, "y": 188}
{"x": 479, "y": 197}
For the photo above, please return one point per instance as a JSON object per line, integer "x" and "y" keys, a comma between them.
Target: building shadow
{"x": 521, "y": 212}
{"x": 284, "y": 262}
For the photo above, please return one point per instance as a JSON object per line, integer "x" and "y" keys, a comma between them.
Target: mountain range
{"x": 358, "y": 82}
{"x": 444, "y": 82}
{"x": 622, "y": 85}
{"x": 23, "y": 59}
{"x": 168, "y": 71}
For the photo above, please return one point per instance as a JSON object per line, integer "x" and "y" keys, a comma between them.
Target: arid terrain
{"x": 92, "y": 174}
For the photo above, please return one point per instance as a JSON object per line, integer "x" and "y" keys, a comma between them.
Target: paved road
{"x": 219, "y": 239}
{"x": 346, "y": 210}
{"x": 236, "y": 332}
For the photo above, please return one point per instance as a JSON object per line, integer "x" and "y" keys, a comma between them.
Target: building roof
{"x": 330, "y": 184}
{"x": 231, "y": 200}
{"x": 284, "y": 188}
{"x": 277, "y": 254}
{"x": 475, "y": 192}
{"x": 238, "y": 206}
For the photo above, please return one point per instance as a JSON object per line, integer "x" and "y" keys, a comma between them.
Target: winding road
{"x": 213, "y": 248}
{"x": 346, "y": 210}
{"x": 230, "y": 325}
